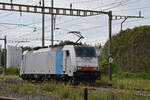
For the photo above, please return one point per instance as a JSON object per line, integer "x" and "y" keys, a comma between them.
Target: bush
{"x": 10, "y": 71}
{"x": 131, "y": 50}
{"x": 104, "y": 67}
{"x": 1, "y": 70}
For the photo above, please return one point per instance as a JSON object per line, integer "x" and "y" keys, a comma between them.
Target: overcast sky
{"x": 94, "y": 28}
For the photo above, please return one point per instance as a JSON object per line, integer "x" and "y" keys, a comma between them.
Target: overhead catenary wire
{"x": 130, "y": 9}
{"x": 107, "y": 5}
{"x": 145, "y": 7}
{"x": 65, "y": 22}
{"x": 16, "y": 24}
{"x": 70, "y": 21}
{"x": 5, "y": 15}
{"x": 84, "y": 1}
{"x": 89, "y": 18}
{"x": 116, "y": 4}
{"x": 92, "y": 27}
{"x": 104, "y": 25}
{"x": 120, "y": 2}
{"x": 4, "y": 26}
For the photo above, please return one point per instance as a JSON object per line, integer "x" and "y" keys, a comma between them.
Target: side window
{"x": 67, "y": 53}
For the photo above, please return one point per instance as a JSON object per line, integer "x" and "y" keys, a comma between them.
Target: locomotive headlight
{"x": 96, "y": 68}
{"x": 79, "y": 68}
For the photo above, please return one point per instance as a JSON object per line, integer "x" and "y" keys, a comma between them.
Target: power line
{"x": 6, "y": 15}
{"x": 27, "y": 1}
{"x": 104, "y": 25}
{"x": 18, "y": 25}
{"x": 105, "y": 5}
{"x": 64, "y": 21}
{"x": 116, "y": 4}
{"x": 24, "y": 25}
{"x": 85, "y": 29}
{"x": 68, "y": 21}
{"x": 6, "y": 27}
{"x": 134, "y": 9}
{"x": 85, "y": 1}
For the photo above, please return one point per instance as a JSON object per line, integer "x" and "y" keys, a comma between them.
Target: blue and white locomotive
{"x": 69, "y": 62}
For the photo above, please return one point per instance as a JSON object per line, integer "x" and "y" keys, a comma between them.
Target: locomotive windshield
{"x": 85, "y": 52}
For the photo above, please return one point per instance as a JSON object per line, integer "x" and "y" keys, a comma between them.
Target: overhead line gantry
{"x": 49, "y": 10}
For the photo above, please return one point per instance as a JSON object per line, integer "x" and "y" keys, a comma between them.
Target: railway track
{"x": 137, "y": 92}
{"x": 7, "y": 98}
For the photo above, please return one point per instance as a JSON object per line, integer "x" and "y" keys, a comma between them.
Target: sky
{"x": 28, "y": 27}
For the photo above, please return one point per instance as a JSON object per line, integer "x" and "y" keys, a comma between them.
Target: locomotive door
{"x": 66, "y": 60}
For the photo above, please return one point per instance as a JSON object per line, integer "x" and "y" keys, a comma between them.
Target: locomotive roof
{"x": 45, "y": 49}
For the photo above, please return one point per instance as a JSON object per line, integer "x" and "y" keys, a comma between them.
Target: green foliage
{"x": 63, "y": 91}
{"x": 112, "y": 95}
{"x": 122, "y": 82}
{"x": 104, "y": 67}
{"x": 132, "y": 75}
{"x": 98, "y": 46}
{"x": 29, "y": 89}
{"x": 1, "y": 70}
{"x": 26, "y": 48}
{"x": 67, "y": 42}
{"x": 10, "y": 71}
{"x": 2, "y": 57}
{"x": 9, "y": 77}
{"x": 130, "y": 50}
{"x": 49, "y": 87}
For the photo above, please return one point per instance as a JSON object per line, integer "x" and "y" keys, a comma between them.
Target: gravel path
{"x": 18, "y": 96}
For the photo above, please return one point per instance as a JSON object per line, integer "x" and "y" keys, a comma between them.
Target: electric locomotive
{"x": 69, "y": 62}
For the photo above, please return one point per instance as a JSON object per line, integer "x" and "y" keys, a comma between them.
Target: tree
{"x": 130, "y": 50}
{"x": 26, "y": 48}
{"x": 67, "y": 42}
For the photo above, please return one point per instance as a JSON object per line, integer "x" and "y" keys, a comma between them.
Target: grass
{"x": 64, "y": 91}
{"x": 10, "y": 71}
{"x": 9, "y": 77}
{"x": 125, "y": 83}
{"x": 102, "y": 95}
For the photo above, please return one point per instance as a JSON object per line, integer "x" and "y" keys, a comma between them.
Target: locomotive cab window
{"x": 85, "y": 52}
